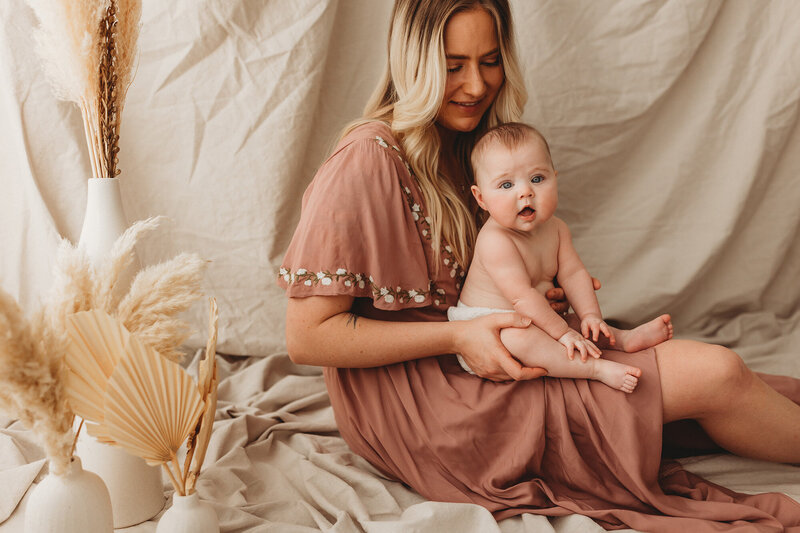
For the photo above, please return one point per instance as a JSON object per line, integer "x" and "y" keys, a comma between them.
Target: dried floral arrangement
{"x": 88, "y": 50}
{"x": 34, "y": 378}
{"x": 132, "y": 397}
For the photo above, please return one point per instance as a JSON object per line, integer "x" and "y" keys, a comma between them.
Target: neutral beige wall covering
{"x": 674, "y": 126}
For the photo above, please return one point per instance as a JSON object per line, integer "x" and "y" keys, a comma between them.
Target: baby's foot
{"x": 616, "y": 375}
{"x": 645, "y": 336}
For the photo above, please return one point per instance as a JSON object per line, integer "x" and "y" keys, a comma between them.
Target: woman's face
{"x": 474, "y": 69}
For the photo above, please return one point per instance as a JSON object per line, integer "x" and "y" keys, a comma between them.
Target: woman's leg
{"x": 712, "y": 385}
{"x": 535, "y": 348}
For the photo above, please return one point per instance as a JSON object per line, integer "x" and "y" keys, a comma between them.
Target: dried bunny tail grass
{"x": 73, "y": 288}
{"x": 157, "y": 295}
{"x": 120, "y": 258}
{"x": 67, "y": 42}
{"x": 32, "y": 375}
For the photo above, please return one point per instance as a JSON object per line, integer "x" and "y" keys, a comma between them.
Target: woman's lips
{"x": 468, "y": 108}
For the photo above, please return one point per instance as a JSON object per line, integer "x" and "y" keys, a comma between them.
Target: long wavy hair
{"x": 409, "y": 96}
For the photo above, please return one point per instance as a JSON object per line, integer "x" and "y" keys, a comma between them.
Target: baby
{"x": 522, "y": 248}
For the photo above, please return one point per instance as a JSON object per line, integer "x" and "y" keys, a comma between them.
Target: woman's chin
{"x": 462, "y": 125}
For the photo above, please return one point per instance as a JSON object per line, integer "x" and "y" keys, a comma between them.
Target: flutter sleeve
{"x": 358, "y": 233}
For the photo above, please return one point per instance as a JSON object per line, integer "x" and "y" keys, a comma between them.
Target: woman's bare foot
{"x": 645, "y": 336}
{"x": 616, "y": 375}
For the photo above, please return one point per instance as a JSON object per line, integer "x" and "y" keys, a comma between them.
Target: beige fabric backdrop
{"x": 674, "y": 126}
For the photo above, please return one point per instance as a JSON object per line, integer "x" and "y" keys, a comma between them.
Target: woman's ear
{"x": 476, "y": 192}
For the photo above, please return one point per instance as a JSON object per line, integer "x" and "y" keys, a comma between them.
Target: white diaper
{"x": 465, "y": 312}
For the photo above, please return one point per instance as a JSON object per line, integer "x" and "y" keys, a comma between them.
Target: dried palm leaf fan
{"x": 147, "y": 405}
{"x": 104, "y": 339}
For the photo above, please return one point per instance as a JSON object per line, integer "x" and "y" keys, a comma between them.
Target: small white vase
{"x": 188, "y": 514}
{"x": 75, "y": 502}
{"x": 136, "y": 489}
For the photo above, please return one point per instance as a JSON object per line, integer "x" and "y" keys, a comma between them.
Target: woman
{"x": 380, "y": 253}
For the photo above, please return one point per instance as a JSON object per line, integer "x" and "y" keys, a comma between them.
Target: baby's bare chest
{"x": 540, "y": 255}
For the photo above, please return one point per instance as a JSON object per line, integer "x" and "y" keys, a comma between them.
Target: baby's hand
{"x": 572, "y": 340}
{"x": 595, "y": 325}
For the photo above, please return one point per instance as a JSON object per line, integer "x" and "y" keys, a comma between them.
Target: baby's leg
{"x": 645, "y": 336}
{"x": 533, "y": 347}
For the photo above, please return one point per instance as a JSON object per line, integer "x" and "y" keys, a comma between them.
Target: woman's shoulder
{"x": 374, "y": 130}
{"x": 373, "y": 139}
{"x": 367, "y": 153}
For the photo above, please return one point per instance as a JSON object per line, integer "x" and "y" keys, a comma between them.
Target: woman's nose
{"x": 474, "y": 85}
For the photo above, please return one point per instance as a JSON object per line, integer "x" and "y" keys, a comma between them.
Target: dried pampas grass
{"x": 32, "y": 380}
{"x": 88, "y": 51}
{"x": 158, "y": 294}
{"x": 152, "y": 305}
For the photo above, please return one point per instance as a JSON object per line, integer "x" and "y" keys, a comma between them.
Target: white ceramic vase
{"x": 104, "y": 220}
{"x": 76, "y": 502}
{"x": 188, "y": 514}
{"x": 136, "y": 489}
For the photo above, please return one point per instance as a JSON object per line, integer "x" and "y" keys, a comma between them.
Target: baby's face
{"x": 517, "y": 186}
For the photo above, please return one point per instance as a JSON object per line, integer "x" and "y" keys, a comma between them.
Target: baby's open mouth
{"x": 526, "y": 211}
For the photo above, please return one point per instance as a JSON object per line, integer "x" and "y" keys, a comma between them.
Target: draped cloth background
{"x": 674, "y": 127}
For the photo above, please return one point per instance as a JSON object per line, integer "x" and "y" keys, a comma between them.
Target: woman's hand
{"x": 478, "y": 342}
{"x": 558, "y": 299}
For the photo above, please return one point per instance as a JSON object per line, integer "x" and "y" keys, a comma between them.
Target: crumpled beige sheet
{"x": 276, "y": 463}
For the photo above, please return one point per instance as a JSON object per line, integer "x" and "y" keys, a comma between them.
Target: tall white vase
{"x": 136, "y": 489}
{"x": 75, "y": 502}
{"x": 104, "y": 220}
{"x": 188, "y": 514}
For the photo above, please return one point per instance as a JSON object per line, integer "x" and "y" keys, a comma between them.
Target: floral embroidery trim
{"x": 351, "y": 279}
{"x": 424, "y": 221}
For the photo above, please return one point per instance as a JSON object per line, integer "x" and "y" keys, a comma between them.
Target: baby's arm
{"x": 577, "y": 284}
{"x": 505, "y": 266}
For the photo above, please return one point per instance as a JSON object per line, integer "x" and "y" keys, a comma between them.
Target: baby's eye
{"x": 537, "y": 179}
{"x": 506, "y": 185}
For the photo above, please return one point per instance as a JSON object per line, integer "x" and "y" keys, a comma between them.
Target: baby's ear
{"x": 476, "y": 192}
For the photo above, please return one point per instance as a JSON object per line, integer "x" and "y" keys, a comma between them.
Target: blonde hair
{"x": 408, "y": 99}
{"x": 510, "y": 135}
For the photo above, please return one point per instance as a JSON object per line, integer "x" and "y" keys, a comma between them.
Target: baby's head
{"x": 514, "y": 176}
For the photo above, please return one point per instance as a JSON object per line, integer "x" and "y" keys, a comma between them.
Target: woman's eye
{"x": 537, "y": 179}
{"x": 492, "y": 62}
{"x": 453, "y": 69}
{"x": 505, "y": 185}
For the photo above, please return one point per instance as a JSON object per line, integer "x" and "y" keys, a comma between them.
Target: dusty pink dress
{"x": 546, "y": 446}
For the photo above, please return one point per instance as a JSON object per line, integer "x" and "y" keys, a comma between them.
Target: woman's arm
{"x": 322, "y": 331}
